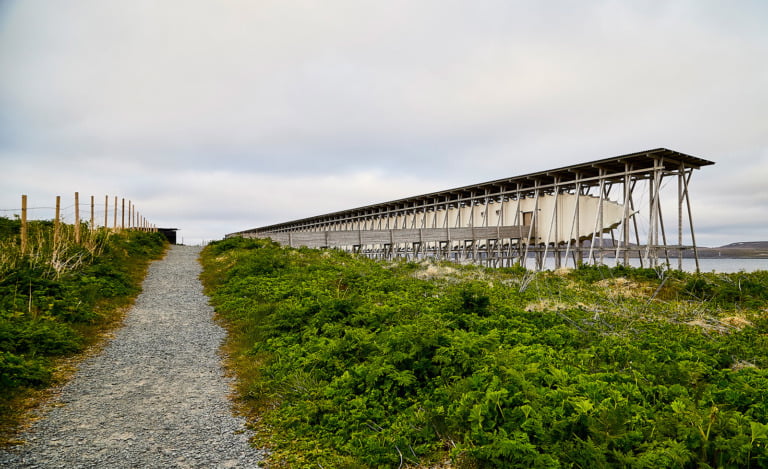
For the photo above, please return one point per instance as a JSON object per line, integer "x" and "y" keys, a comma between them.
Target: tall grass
{"x": 50, "y": 248}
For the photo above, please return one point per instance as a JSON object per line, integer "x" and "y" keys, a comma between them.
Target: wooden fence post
{"x": 122, "y": 213}
{"x": 77, "y": 218}
{"x": 56, "y": 222}
{"x": 23, "y": 225}
{"x": 92, "y": 214}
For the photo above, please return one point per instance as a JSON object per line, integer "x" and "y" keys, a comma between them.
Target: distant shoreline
{"x": 704, "y": 253}
{"x": 744, "y": 250}
{"x": 732, "y": 253}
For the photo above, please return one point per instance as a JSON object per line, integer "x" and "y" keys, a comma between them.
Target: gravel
{"x": 157, "y": 395}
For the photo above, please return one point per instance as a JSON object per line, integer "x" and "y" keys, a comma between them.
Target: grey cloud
{"x": 143, "y": 94}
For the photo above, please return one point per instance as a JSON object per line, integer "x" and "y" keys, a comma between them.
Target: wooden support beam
{"x": 77, "y": 218}
{"x": 24, "y": 232}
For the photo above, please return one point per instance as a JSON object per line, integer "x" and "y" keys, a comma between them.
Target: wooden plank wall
{"x": 350, "y": 238}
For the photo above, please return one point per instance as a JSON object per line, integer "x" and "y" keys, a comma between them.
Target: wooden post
{"x": 122, "y": 215}
{"x": 56, "y": 222}
{"x": 77, "y": 217}
{"x": 92, "y": 214}
{"x": 627, "y": 213}
{"x": 686, "y": 180}
{"x": 23, "y": 225}
{"x": 680, "y": 173}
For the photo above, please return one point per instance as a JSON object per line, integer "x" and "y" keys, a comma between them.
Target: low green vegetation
{"x": 57, "y": 297}
{"x": 347, "y": 362}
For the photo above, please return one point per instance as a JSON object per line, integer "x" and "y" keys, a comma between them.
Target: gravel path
{"x": 156, "y": 397}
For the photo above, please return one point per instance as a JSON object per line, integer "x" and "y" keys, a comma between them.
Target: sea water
{"x": 709, "y": 264}
{"x": 724, "y": 265}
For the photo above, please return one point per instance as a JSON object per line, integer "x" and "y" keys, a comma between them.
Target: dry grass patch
{"x": 720, "y": 325}
{"x": 546, "y": 305}
{"x": 622, "y": 287}
{"x": 435, "y": 271}
{"x": 737, "y": 322}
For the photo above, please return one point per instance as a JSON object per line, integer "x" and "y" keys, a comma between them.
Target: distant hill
{"x": 740, "y": 250}
{"x": 744, "y": 249}
{"x": 747, "y": 245}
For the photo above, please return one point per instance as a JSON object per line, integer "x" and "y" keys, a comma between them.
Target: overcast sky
{"x": 219, "y": 116}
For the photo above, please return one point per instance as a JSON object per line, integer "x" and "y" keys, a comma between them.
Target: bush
{"x": 9, "y": 228}
{"x": 17, "y": 371}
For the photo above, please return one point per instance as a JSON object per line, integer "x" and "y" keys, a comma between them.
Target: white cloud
{"x": 255, "y": 100}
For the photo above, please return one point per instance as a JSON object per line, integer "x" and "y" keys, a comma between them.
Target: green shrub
{"x": 9, "y": 228}
{"x": 17, "y": 371}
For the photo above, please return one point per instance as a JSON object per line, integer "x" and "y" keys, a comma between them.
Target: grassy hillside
{"x": 345, "y": 362}
{"x": 56, "y": 299}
